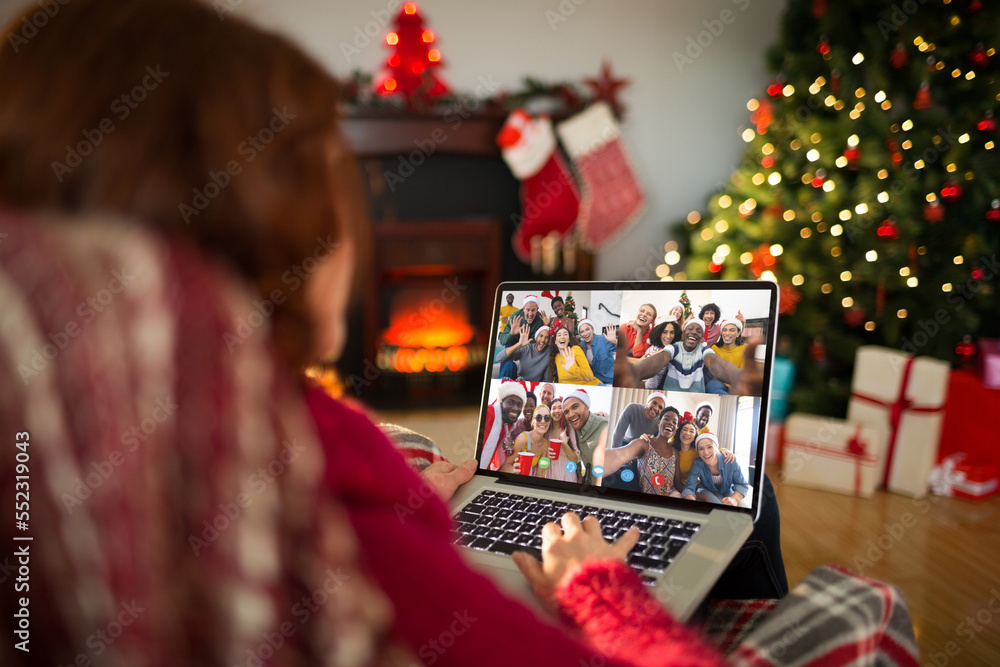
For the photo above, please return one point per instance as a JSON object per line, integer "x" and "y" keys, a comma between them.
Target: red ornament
{"x": 853, "y": 154}
{"x": 898, "y": 57}
{"x": 789, "y": 300}
{"x": 979, "y": 57}
{"x": 993, "y": 215}
{"x": 966, "y": 351}
{"x": 988, "y": 123}
{"x": 923, "y": 98}
{"x": 952, "y": 191}
{"x": 933, "y": 212}
{"x": 854, "y": 316}
{"x": 411, "y": 67}
{"x": 606, "y": 87}
{"x": 762, "y": 116}
{"x": 888, "y": 230}
{"x": 817, "y": 350}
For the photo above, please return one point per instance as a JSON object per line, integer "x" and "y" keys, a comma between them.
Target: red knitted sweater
{"x": 450, "y": 615}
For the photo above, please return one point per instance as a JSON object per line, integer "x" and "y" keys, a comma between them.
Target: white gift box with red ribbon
{"x": 906, "y": 395}
{"x": 832, "y": 454}
{"x": 960, "y": 477}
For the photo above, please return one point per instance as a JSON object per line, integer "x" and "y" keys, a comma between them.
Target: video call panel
{"x": 669, "y": 427}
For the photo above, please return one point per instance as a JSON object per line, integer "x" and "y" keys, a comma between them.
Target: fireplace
{"x": 443, "y": 205}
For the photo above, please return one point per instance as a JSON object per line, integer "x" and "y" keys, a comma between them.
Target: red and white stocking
{"x": 612, "y": 196}
{"x": 549, "y": 196}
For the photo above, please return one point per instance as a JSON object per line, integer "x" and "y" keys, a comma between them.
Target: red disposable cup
{"x": 526, "y": 459}
{"x": 555, "y": 444}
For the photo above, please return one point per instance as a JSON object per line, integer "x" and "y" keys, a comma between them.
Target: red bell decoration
{"x": 993, "y": 214}
{"x": 951, "y": 192}
{"x": 979, "y": 57}
{"x": 923, "y": 98}
{"x": 898, "y": 57}
{"x": 988, "y": 123}
{"x": 888, "y": 230}
{"x": 933, "y": 212}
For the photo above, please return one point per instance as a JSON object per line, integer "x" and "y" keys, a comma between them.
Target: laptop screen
{"x": 677, "y": 414}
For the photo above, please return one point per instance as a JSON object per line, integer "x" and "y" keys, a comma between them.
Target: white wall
{"x": 681, "y": 126}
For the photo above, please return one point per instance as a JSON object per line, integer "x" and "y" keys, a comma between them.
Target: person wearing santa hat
{"x": 637, "y": 419}
{"x": 591, "y": 429}
{"x": 712, "y": 477}
{"x": 686, "y": 362}
{"x": 730, "y": 347}
{"x": 501, "y": 418}
{"x": 600, "y": 351}
{"x": 702, "y": 413}
{"x": 526, "y": 359}
{"x": 528, "y": 314}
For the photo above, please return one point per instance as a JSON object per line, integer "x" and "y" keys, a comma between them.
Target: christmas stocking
{"x": 612, "y": 197}
{"x": 549, "y": 198}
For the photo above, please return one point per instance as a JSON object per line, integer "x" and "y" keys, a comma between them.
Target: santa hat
{"x": 580, "y": 395}
{"x": 544, "y": 329}
{"x": 736, "y": 323}
{"x": 656, "y": 394}
{"x": 511, "y": 388}
{"x": 695, "y": 320}
{"x": 676, "y": 305}
{"x": 705, "y": 404}
{"x": 706, "y": 436}
{"x": 531, "y": 298}
{"x": 589, "y": 321}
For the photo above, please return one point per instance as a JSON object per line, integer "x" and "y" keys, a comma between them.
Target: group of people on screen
{"x": 537, "y": 347}
{"x": 702, "y": 353}
{"x": 656, "y": 449}
{"x": 562, "y": 432}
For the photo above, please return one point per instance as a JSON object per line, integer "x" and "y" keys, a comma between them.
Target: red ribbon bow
{"x": 857, "y": 447}
{"x": 687, "y": 417}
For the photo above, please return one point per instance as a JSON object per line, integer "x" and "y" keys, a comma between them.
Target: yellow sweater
{"x": 579, "y": 372}
{"x": 684, "y": 462}
{"x": 506, "y": 312}
{"x": 733, "y": 355}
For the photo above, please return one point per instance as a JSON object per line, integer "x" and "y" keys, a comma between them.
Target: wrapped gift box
{"x": 904, "y": 395}
{"x": 964, "y": 477}
{"x": 970, "y": 424}
{"x": 989, "y": 362}
{"x": 832, "y": 454}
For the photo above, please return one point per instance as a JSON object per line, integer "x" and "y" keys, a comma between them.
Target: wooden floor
{"x": 943, "y": 553}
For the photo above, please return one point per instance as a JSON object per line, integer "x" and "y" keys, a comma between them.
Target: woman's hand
{"x": 562, "y": 551}
{"x": 566, "y": 357}
{"x": 545, "y": 317}
{"x": 611, "y": 334}
{"x": 728, "y": 455}
{"x": 445, "y": 477}
{"x": 729, "y": 500}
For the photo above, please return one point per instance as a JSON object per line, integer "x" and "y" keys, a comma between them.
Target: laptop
{"x": 691, "y": 526}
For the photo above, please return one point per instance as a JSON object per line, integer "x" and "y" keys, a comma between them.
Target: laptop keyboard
{"x": 503, "y": 523}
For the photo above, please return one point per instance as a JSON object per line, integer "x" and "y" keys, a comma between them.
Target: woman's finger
{"x": 571, "y": 524}
{"x": 624, "y": 544}
{"x": 591, "y": 525}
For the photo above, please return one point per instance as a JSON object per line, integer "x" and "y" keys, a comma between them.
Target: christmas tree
{"x": 686, "y": 302}
{"x": 569, "y": 308}
{"x": 869, "y": 190}
{"x": 413, "y": 61}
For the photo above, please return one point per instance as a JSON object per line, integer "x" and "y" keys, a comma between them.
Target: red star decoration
{"x": 606, "y": 87}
